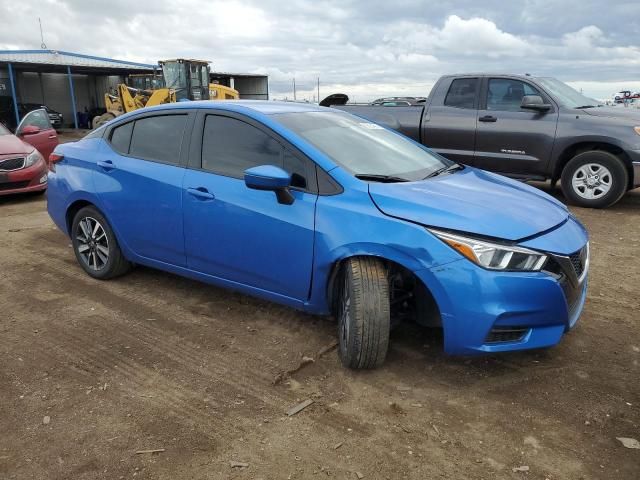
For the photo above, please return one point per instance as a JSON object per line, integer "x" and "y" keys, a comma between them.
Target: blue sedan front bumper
{"x": 485, "y": 311}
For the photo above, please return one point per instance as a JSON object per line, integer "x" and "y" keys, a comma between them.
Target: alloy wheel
{"x": 592, "y": 181}
{"x": 93, "y": 244}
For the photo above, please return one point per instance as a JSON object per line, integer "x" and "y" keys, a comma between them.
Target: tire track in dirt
{"x": 185, "y": 353}
{"x": 277, "y": 398}
{"x": 136, "y": 378}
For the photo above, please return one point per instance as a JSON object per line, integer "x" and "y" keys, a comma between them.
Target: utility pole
{"x": 318, "y": 89}
{"x": 42, "y": 45}
{"x": 294, "y": 89}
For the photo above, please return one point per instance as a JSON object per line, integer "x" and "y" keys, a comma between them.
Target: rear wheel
{"x": 363, "y": 313}
{"x": 595, "y": 179}
{"x": 95, "y": 245}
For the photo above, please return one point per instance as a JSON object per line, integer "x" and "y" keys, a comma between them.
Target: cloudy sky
{"x": 363, "y": 48}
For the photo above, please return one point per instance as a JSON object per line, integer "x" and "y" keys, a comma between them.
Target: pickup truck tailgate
{"x": 406, "y": 120}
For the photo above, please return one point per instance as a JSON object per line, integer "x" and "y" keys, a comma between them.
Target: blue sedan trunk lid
{"x": 472, "y": 201}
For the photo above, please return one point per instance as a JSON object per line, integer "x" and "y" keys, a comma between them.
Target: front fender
{"x": 349, "y": 225}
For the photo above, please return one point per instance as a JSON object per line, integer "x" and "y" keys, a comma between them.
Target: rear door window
{"x": 462, "y": 93}
{"x": 158, "y": 138}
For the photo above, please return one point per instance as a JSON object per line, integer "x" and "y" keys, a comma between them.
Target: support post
{"x": 73, "y": 97}
{"x": 13, "y": 94}
{"x": 44, "y": 101}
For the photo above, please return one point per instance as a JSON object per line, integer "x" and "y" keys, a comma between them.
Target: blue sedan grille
{"x": 577, "y": 260}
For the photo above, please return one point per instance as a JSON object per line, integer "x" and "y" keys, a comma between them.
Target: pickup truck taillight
{"x": 53, "y": 159}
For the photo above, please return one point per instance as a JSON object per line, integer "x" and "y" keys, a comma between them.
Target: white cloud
{"x": 365, "y": 48}
{"x": 472, "y": 37}
{"x": 585, "y": 38}
{"x": 478, "y": 36}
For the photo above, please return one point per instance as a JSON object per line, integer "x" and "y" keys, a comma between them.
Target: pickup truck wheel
{"x": 95, "y": 245}
{"x": 364, "y": 313}
{"x": 594, "y": 179}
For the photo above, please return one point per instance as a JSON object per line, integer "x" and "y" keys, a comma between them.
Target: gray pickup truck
{"x": 531, "y": 128}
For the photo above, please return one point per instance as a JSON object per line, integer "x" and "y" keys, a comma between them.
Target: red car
{"x": 23, "y": 168}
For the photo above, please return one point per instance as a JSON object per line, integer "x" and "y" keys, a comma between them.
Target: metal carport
{"x": 253, "y": 86}
{"x": 38, "y": 76}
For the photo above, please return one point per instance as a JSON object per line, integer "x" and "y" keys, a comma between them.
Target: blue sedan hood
{"x": 472, "y": 201}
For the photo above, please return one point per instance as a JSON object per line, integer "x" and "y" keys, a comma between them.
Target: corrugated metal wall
{"x": 253, "y": 88}
{"x": 5, "y": 89}
{"x": 52, "y": 89}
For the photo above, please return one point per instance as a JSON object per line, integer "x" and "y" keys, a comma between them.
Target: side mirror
{"x": 270, "y": 177}
{"x": 29, "y": 130}
{"x": 534, "y": 102}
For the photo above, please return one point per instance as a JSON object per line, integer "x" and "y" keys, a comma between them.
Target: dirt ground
{"x": 92, "y": 372}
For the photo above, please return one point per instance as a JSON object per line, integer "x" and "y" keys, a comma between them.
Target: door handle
{"x": 201, "y": 193}
{"x": 106, "y": 164}
{"x": 488, "y": 118}
{"x": 52, "y": 136}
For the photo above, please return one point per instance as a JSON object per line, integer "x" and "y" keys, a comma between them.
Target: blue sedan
{"x": 325, "y": 212}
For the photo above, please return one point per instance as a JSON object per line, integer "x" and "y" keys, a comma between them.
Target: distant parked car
{"x": 56, "y": 118}
{"x": 8, "y": 116}
{"x": 23, "y": 164}
{"x": 326, "y": 212}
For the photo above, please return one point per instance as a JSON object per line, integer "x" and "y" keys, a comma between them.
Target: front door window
{"x": 36, "y": 118}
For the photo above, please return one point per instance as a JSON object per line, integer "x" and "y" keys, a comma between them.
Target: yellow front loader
{"x": 181, "y": 79}
{"x": 222, "y": 92}
{"x": 129, "y": 99}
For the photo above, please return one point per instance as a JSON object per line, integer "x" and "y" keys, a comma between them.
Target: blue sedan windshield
{"x": 363, "y": 148}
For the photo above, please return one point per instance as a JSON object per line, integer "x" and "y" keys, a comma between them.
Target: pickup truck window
{"x": 506, "y": 94}
{"x": 462, "y": 93}
{"x": 364, "y": 148}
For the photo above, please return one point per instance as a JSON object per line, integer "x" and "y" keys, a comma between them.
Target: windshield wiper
{"x": 440, "y": 171}
{"x": 373, "y": 177}
{"x": 582, "y": 107}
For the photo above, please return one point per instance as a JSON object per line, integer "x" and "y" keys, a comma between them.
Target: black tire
{"x": 614, "y": 170}
{"x": 97, "y": 263}
{"x": 364, "y": 317}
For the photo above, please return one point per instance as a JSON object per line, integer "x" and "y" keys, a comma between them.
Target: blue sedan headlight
{"x": 493, "y": 256}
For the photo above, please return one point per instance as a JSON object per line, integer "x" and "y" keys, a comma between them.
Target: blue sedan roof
{"x": 261, "y": 106}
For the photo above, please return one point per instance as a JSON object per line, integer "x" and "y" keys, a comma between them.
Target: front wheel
{"x": 595, "y": 179}
{"x": 363, "y": 313}
{"x": 95, "y": 245}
